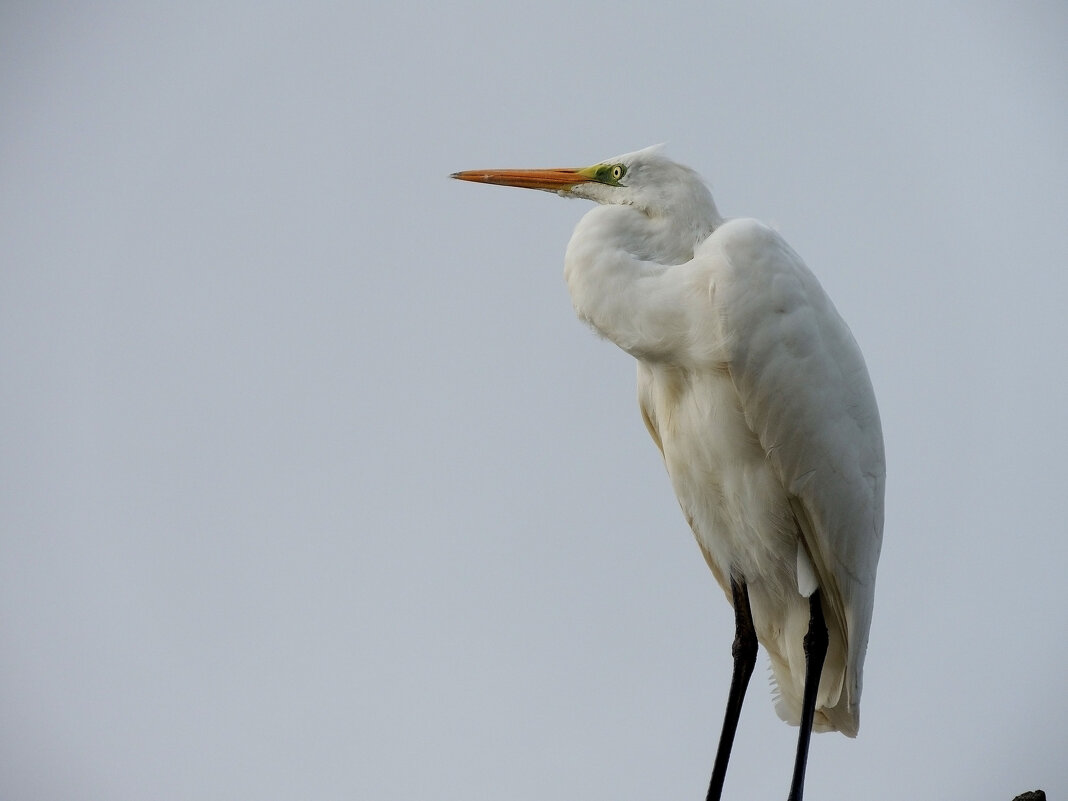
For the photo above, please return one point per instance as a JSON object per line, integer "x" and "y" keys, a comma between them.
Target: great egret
{"x": 757, "y": 396}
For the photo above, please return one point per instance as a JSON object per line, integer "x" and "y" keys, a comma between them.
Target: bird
{"x": 759, "y": 400}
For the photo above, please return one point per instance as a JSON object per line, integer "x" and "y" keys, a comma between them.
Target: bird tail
{"x": 836, "y": 703}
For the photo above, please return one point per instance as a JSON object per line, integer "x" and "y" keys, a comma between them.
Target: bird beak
{"x": 561, "y": 179}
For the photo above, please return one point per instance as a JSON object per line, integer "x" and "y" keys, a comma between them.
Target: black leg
{"x": 815, "y": 653}
{"x": 744, "y": 651}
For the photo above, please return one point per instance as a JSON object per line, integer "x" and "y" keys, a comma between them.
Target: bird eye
{"x": 618, "y": 172}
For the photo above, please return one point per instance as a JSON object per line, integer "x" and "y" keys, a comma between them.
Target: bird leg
{"x": 815, "y": 652}
{"x": 744, "y": 652}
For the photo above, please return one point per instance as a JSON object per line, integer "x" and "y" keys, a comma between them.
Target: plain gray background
{"x": 312, "y": 486}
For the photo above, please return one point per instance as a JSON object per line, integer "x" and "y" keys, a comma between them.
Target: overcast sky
{"x": 313, "y": 487}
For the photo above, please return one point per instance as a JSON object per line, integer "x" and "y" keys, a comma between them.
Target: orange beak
{"x": 555, "y": 180}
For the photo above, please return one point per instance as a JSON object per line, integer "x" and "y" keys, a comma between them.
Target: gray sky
{"x": 312, "y": 486}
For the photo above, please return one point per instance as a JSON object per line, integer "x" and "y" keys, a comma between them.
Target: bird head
{"x": 645, "y": 179}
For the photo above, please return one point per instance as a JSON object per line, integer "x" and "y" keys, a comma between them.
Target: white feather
{"x": 758, "y": 397}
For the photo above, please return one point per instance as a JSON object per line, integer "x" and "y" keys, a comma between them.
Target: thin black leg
{"x": 815, "y": 653}
{"x": 744, "y": 651}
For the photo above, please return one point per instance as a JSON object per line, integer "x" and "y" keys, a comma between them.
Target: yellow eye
{"x": 618, "y": 172}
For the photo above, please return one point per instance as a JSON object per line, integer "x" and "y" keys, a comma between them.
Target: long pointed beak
{"x": 560, "y": 179}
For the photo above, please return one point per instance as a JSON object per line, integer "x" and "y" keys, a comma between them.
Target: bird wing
{"x": 807, "y": 397}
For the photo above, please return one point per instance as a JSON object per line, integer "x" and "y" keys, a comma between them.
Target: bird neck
{"x": 618, "y": 272}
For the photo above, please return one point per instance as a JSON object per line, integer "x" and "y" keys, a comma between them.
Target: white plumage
{"x": 757, "y": 396}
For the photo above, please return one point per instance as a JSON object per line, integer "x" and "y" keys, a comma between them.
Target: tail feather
{"x": 836, "y": 703}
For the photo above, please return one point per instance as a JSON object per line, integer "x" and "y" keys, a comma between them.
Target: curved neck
{"x": 626, "y": 275}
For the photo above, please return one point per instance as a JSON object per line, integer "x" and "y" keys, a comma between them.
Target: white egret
{"x": 758, "y": 398}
